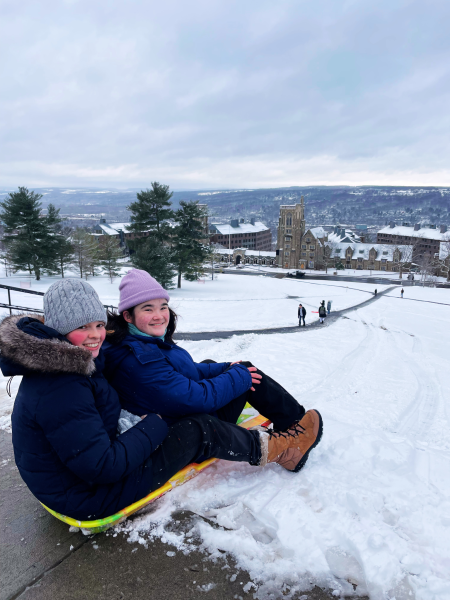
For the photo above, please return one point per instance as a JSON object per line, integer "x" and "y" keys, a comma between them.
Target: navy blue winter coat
{"x": 64, "y": 426}
{"x": 154, "y": 376}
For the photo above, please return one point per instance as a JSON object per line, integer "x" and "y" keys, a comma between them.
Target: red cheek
{"x": 76, "y": 337}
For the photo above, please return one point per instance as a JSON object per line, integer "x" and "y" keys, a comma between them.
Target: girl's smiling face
{"x": 90, "y": 337}
{"x": 151, "y": 317}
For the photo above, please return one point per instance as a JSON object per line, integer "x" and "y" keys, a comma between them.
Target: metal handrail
{"x": 12, "y": 307}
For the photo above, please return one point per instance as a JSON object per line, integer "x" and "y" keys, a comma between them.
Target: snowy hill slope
{"x": 372, "y": 506}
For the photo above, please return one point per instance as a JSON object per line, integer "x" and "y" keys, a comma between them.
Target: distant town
{"x": 397, "y": 229}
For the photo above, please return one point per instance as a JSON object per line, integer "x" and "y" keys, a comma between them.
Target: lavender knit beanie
{"x": 138, "y": 286}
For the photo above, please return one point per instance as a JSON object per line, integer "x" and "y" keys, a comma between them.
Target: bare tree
{"x": 403, "y": 258}
{"x": 85, "y": 252}
{"x": 443, "y": 259}
{"x": 110, "y": 254}
{"x": 329, "y": 254}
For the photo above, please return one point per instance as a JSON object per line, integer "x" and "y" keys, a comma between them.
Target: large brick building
{"x": 253, "y": 235}
{"x": 426, "y": 240}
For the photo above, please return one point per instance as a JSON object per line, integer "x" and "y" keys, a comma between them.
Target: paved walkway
{"x": 217, "y": 335}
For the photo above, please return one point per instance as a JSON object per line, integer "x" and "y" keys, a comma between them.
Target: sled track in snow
{"x": 418, "y": 417}
{"x": 214, "y": 335}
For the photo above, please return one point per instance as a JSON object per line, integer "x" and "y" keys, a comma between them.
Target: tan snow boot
{"x": 291, "y": 448}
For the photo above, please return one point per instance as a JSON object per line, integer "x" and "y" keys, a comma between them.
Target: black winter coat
{"x": 64, "y": 426}
{"x": 301, "y": 312}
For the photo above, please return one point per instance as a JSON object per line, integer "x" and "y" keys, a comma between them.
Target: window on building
{"x": 304, "y": 254}
{"x": 287, "y": 246}
{"x": 312, "y": 247}
{"x": 289, "y": 220}
{"x": 385, "y": 251}
{"x": 303, "y": 246}
{"x": 286, "y": 253}
{"x": 308, "y": 240}
{"x": 337, "y": 251}
{"x": 288, "y": 230}
{"x": 361, "y": 251}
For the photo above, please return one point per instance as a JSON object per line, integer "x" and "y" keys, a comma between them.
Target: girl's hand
{"x": 236, "y": 362}
{"x": 256, "y": 377}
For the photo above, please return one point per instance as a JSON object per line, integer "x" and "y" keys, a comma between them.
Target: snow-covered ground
{"x": 371, "y": 508}
{"x": 227, "y": 303}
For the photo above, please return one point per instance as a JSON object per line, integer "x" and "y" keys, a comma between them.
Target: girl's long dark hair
{"x": 117, "y": 327}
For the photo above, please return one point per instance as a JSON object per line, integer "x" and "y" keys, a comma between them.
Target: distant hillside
{"x": 325, "y": 205}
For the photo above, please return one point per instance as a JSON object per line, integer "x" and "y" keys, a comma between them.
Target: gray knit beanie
{"x": 71, "y": 303}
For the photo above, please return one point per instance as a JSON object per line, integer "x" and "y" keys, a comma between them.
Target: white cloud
{"x": 224, "y": 93}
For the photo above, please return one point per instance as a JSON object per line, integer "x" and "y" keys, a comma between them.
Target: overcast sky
{"x": 224, "y": 93}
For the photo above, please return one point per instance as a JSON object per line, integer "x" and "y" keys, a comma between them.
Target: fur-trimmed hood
{"x": 27, "y": 343}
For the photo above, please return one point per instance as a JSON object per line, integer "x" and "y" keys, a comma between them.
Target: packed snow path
{"x": 371, "y": 509}
{"x": 331, "y": 318}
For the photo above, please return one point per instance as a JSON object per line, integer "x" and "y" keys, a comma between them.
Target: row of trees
{"x": 170, "y": 242}
{"x": 40, "y": 245}
{"x": 166, "y": 243}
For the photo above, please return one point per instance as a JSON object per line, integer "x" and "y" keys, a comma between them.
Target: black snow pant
{"x": 300, "y": 321}
{"x": 269, "y": 398}
{"x": 199, "y": 437}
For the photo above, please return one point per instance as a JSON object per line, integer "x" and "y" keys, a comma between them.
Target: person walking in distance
{"x": 301, "y": 315}
{"x": 375, "y": 292}
{"x": 402, "y": 292}
{"x": 322, "y": 312}
{"x": 329, "y": 306}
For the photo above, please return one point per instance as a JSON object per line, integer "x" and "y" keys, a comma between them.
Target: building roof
{"x": 227, "y": 229}
{"x": 344, "y": 235}
{"x": 424, "y": 232}
{"x": 361, "y": 250}
{"x": 112, "y": 228}
{"x": 318, "y": 232}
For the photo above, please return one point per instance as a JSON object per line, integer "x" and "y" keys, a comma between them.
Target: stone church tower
{"x": 291, "y": 229}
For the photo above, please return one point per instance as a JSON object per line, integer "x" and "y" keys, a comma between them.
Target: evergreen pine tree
{"x": 28, "y": 235}
{"x": 110, "y": 253}
{"x": 155, "y": 258}
{"x": 189, "y": 237}
{"x": 150, "y": 215}
{"x": 151, "y": 212}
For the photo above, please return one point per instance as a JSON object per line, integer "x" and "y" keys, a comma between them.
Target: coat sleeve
{"x": 76, "y": 432}
{"x": 158, "y": 388}
{"x": 209, "y": 370}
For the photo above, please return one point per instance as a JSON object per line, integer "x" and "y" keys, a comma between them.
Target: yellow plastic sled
{"x": 179, "y": 478}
